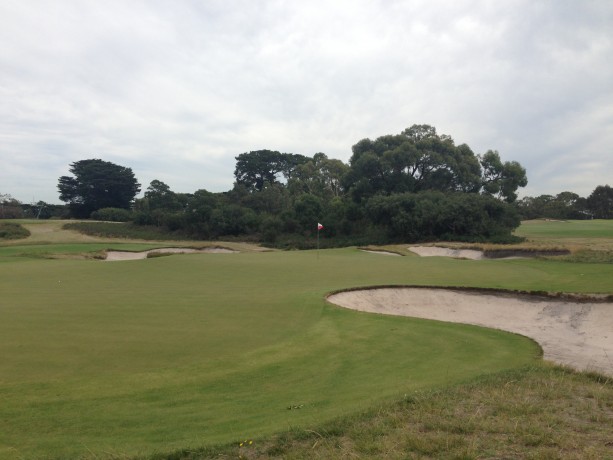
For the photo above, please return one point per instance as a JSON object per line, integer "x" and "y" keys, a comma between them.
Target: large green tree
{"x": 501, "y": 179}
{"x": 600, "y": 202}
{"x": 97, "y": 184}
{"x": 319, "y": 176}
{"x": 256, "y": 168}
{"x": 416, "y": 160}
{"x": 420, "y": 159}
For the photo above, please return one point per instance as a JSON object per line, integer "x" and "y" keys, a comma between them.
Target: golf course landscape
{"x": 224, "y": 354}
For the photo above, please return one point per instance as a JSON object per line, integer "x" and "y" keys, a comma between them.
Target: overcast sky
{"x": 176, "y": 89}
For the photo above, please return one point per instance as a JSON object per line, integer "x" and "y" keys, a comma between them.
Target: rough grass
{"x": 538, "y": 412}
{"x": 12, "y": 231}
{"x": 124, "y": 230}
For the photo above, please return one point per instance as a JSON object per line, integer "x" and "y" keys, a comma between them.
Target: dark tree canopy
{"x": 414, "y": 186}
{"x": 419, "y": 160}
{"x": 319, "y": 176}
{"x": 600, "y": 202}
{"x": 502, "y": 179}
{"x": 564, "y": 205}
{"x": 256, "y": 168}
{"x": 97, "y": 184}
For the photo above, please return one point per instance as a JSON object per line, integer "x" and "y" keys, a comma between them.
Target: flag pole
{"x": 319, "y": 227}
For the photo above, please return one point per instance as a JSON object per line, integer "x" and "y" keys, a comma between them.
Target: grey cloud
{"x": 183, "y": 87}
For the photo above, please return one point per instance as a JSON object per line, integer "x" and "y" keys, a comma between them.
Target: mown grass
{"x": 576, "y": 235}
{"x": 187, "y": 350}
{"x": 125, "y": 359}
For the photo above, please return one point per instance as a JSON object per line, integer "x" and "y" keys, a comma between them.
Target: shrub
{"x": 12, "y": 231}
{"x": 112, "y": 215}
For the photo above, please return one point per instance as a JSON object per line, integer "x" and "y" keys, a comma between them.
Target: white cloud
{"x": 177, "y": 89}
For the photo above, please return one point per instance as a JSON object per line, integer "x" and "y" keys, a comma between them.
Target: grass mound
{"x": 125, "y": 230}
{"x": 12, "y": 231}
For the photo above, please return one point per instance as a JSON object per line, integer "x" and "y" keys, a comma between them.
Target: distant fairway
{"x": 593, "y": 234}
{"x": 112, "y": 358}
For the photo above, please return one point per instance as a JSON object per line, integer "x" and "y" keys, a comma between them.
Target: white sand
{"x": 383, "y": 253}
{"x": 575, "y": 334}
{"x": 434, "y": 251}
{"x": 125, "y": 255}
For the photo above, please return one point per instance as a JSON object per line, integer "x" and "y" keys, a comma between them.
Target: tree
{"x": 600, "y": 202}
{"x": 502, "y": 179}
{"x": 10, "y": 208}
{"x": 319, "y": 176}
{"x": 159, "y": 196}
{"x": 256, "y": 168}
{"x": 97, "y": 184}
{"x": 416, "y": 160}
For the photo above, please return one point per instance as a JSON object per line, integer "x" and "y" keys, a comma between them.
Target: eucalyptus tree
{"x": 416, "y": 160}
{"x": 256, "y": 168}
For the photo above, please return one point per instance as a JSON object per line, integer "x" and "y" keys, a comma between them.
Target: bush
{"x": 431, "y": 216}
{"x": 112, "y": 215}
{"x": 12, "y": 231}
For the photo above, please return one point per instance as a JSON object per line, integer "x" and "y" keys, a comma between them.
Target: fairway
{"x": 124, "y": 358}
{"x": 593, "y": 234}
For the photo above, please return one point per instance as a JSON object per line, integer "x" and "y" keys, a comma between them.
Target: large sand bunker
{"x": 573, "y": 333}
{"x": 476, "y": 254}
{"x": 435, "y": 251}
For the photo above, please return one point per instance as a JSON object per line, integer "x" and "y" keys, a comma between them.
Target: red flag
{"x": 319, "y": 226}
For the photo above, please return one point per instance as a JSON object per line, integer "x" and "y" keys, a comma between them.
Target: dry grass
{"x": 540, "y": 413}
{"x": 53, "y": 232}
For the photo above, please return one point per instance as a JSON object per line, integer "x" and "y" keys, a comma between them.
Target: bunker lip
{"x": 380, "y": 252}
{"x": 572, "y": 329}
{"x": 113, "y": 256}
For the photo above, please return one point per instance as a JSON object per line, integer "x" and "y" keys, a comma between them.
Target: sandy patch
{"x": 433, "y": 251}
{"x": 383, "y": 253}
{"x": 576, "y": 334}
{"x": 126, "y": 255}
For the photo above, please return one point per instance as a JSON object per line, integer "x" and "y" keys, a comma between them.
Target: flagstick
{"x": 318, "y": 241}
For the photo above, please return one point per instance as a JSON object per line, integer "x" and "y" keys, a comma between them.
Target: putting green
{"x": 136, "y": 357}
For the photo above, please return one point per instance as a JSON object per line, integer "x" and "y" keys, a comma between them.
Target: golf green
{"x": 124, "y": 358}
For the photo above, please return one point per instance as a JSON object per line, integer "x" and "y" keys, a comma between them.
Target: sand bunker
{"x": 474, "y": 254}
{"x": 125, "y": 255}
{"x": 433, "y": 251}
{"x": 383, "y": 253}
{"x": 576, "y": 334}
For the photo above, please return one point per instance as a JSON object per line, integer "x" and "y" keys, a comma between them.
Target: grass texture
{"x": 533, "y": 413}
{"x": 126, "y": 359}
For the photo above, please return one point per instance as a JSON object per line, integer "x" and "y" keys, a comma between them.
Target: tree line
{"x": 569, "y": 205}
{"x": 414, "y": 186}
